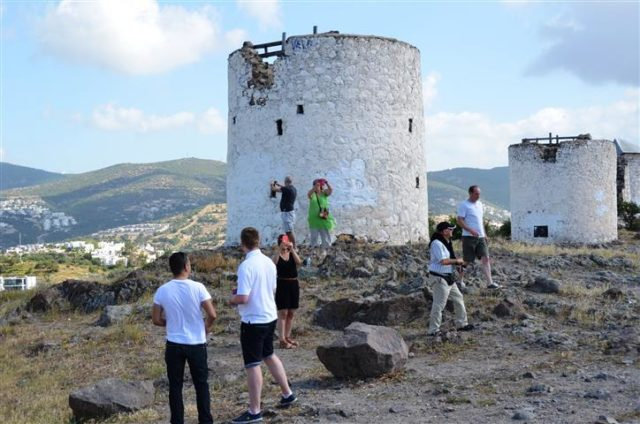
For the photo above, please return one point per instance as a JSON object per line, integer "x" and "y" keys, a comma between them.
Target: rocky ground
{"x": 560, "y": 343}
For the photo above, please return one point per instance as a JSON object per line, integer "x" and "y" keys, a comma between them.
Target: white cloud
{"x": 470, "y": 139}
{"x": 267, "y": 12}
{"x": 429, "y": 89}
{"x": 111, "y": 117}
{"x": 598, "y": 42}
{"x": 211, "y": 122}
{"x": 133, "y": 37}
{"x": 236, "y": 37}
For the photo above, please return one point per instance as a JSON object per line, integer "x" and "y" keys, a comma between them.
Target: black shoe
{"x": 467, "y": 327}
{"x": 286, "y": 401}
{"x": 248, "y": 417}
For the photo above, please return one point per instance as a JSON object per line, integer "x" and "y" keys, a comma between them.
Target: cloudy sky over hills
{"x": 89, "y": 84}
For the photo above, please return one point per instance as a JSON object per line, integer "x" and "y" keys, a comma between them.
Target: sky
{"x": 89, "y": 84}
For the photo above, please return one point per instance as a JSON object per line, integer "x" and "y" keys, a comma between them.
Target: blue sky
{"x": 89, "y": 84}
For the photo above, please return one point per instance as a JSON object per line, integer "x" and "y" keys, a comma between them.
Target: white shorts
{"x": 288, "y": 219}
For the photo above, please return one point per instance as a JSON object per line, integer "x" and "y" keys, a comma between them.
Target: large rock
{"x": 90, "y": 296}
{"x": 544, "y": 285}
{"x": 338, "y": 314}
{"x": 109, "y": 397}
{"x": 364, "y": 351}
{"x": 114, "y": 314}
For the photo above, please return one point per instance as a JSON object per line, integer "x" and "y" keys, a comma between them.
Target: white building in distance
{"x": 563, "y": 192}
{"x": 347, "y": 108}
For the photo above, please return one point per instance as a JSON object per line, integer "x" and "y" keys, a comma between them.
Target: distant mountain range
{"x": 81, "y": 204}
{"x": 12, "y": 176}
{"x": 41, "y": 206}
{"x": 449, "y": 187}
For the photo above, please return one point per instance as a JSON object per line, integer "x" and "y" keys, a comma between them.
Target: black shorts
{"x": 257, "y": 342}
{"x": 474, "y": 247}
{"x": 287, "y": 294}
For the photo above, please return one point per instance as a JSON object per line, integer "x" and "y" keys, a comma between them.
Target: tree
{"x": 629, "y": 212}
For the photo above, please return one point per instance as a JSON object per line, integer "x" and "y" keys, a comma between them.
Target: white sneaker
{"x": 494, "y": 286}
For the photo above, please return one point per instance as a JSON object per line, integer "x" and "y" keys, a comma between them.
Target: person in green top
{"x": 320, "y": 219}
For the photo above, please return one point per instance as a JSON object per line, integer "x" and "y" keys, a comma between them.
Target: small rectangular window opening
{"x": 300, "y": 109}
{"x": 234, "y": 120}
{"x": 279, "y": 126}
{"x": 417, "y": 182}
{"x": 410, "y": 124}
{"x": 540, "y": 231}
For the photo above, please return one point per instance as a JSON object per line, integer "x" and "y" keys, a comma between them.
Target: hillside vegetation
{"x": 12, "y": 176}
{"x": 120, "y": 195}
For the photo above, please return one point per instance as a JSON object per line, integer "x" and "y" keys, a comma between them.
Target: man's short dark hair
{"x": 178, "y": 263}
{"x": 250, "y": 237}
{"x": 472, "y": 188}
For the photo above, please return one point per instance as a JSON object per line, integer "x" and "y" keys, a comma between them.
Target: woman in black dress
{"x": 288, "y": 290}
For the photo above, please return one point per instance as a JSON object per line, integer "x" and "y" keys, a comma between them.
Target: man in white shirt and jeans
{"x": 474, "y": 236}
{"x": 181, "y": 300}
{"x": 255, "y": 298}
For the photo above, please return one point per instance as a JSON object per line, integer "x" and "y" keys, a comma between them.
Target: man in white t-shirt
{"x": 181, "y": 301}
{"x": 474, "y": 236}
{"x": 255, "y": 298}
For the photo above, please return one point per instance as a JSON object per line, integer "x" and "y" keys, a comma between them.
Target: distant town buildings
{"x": 17, "y": 283}
{"x": 107, "y": 252}
{"x": 34, "y": 210}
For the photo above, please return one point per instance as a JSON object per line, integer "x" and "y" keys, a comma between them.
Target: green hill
{"x": 494, "y": 183}
{"x": 115, "y": 196}
{"x": 12, "y": 176}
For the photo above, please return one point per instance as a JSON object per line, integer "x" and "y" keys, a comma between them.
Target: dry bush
{"x": 213, "y": 262}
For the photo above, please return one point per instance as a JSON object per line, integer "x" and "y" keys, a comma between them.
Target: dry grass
{"x": 553, "y": 250}
{"x": 213, "y": 262}
{"x": 36, "y": 385}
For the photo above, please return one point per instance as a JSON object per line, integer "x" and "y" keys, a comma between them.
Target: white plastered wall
{"x": 574, "y": 195}
{"x": 358, "y": 94}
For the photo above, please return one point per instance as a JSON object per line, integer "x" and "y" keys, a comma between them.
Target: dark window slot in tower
{"x": 410, "y": 124}
{"x": 541, "y": 231}
{"x": 417, "y": 182}
{"x": 300, "y": 109}
{"x": 279, "y": 126}
{"x": 234, "y": 120}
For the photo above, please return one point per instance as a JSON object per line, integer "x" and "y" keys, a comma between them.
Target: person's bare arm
{"x": 239, "y": 299}
{"x": 329, "y": 190}
{"x": 207, "y": 305}
{"x": 461, "y": 223}
{"x": 156, "y": 316}
{"x": 309, "y": 193}
{"x": 296, "y": 257}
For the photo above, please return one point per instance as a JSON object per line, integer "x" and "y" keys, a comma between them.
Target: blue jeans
{"x": 175, "y": 356}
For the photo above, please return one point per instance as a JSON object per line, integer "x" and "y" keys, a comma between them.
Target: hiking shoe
{"x": 494, "y": 286}
{"x": 467, "y": 327}
{"x": 248, "y": 417}
{"x": 286, "y": 401}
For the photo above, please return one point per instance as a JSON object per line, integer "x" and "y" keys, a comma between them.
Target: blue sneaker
{"x": 286, "y": 401}
{"x": 248, "y": 417}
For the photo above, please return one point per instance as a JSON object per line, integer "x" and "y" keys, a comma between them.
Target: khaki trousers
{"x": 441, "y": 292}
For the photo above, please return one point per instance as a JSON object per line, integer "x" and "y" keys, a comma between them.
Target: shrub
{"x": 505, "y": 229}
{"x": 628, "y": 211}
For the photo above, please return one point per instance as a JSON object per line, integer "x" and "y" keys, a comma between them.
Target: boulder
{"x": 544, "y": 285}
{"x": 364, "y": 351}
{"x": 111, "y": 396}
{"x": 336, "y": 315}
{"x": 114, "y": 314}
